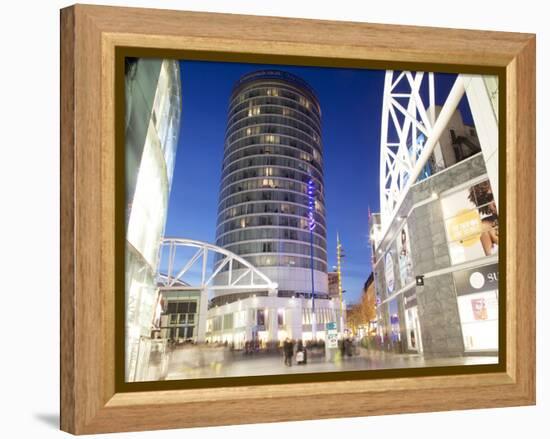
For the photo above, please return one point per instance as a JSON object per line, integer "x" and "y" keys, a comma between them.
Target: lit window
{"x": 253, "y": 110}
{"x": 272, "y": 92}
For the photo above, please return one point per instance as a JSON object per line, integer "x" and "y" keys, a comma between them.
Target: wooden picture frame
{"x": 90, "y": 38}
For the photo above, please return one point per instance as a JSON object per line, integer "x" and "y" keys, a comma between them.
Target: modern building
{"x": 153, "y": 106}
{"x": 435, "y": 242}
{"x": 273, "y": 154}
{"x": 179, "y": 321}
{"x": 436, "y": 268}
{"x": 436, "y": 265}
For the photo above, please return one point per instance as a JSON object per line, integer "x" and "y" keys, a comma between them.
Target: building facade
{"x": 436, "y": 268}
{"x": 272, "y": 156}
{"x": 153, "y": 107}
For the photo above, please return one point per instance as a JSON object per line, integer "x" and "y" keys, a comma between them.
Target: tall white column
{"x": 273, "y": 326}
{"x": 203, "y": 309}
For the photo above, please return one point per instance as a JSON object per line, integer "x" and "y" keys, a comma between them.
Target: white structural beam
{"x": 257, "y": 279}
{"x": 252, "y": 278}
{"x": 409, "y": 134}
{"x": 410, "y": 131}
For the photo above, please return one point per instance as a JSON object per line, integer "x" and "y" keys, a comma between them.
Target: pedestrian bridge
{"x": 190, "y": 270}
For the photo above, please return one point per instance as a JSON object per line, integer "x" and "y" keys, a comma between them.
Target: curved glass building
{"x": 273, "y": 148}
{"x": 153, "y": 110}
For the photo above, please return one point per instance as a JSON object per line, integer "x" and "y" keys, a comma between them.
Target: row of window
{"x": 181, "y": 307}
{"x": 268, "y": 195}
{"x": 269, "y": 160}
{"x": 261, "y": 102}
{"x": 270, "y": 89}
{"x": 182, "y": 319}
{"x": 265, "y": 183}
{"x": 270, "y": 139}
{"x": 268, "y": 220}
{"x": 302, "y": 294}
{"x": 239, "y": 317}
{"x": 278, "y": 260}
{"x": 275, "y": 110}
{"x": 271, "y": 233}
{"x": 273, "y": 171}
{"x": 279, "y": 247}
{"x": 281, "y": 92}
{"x": 269, "y": 150}
{"x": 258, "y": 207}
{"x": 273, "y": 134}
{"x": 251, "y": 124}
{"x": 230, "y": 298}
{"x": 259, "y": 317}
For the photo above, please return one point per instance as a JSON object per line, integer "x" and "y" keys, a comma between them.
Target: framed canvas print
{"x": 261, "y": 212}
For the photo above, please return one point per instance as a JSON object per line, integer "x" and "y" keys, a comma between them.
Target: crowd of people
{"x": 298, "y": 351}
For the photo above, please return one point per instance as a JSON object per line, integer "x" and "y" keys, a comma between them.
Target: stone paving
{"x": 219, "y": 362}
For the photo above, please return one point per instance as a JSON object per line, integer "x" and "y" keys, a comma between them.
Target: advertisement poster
{"x": 404, "y": 256}
{"x": 479, "y": 309}
{"x": 471, "y": 222}
{"x": 479, "y": 320}
{"x": 390, "y": 277}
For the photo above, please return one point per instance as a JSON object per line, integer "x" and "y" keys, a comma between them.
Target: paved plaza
{"x": 219, "y": 362}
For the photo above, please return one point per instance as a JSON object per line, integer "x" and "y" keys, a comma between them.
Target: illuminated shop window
{"x": 479, "y": 320}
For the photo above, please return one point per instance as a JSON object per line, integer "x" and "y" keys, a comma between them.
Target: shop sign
{"x": 476, "y": 280}
{"x": 332, "y": 335}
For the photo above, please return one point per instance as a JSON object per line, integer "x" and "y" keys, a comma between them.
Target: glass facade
{"x": 272, "y": 150}
{"x": 153, "y": 106}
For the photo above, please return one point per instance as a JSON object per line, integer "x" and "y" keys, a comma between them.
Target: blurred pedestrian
{"x": 288, "y": 348}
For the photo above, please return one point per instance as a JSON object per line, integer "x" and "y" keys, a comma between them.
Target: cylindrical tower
{"x": 272, "y": 149}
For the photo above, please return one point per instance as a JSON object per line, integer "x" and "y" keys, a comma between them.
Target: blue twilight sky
{"x": 351, "y": 102}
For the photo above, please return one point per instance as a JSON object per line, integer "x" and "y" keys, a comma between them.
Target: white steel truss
{"x": 245, "y": 277}
{"x": 409, "y": 133}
